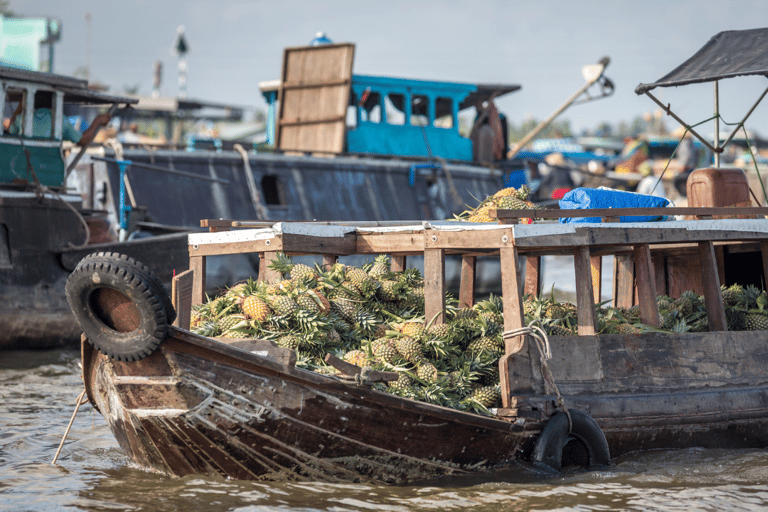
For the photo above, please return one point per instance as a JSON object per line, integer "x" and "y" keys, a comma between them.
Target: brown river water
{"x": 39, "y": 388}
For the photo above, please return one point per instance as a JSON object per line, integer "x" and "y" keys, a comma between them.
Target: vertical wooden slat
{"x": 181, "y": 295}
{"x": 533, "y": 275}
{"x": 513, "y": 318}
{"x": 713, "y": 297}
{"x": 262, "y": 264}
{"x": 646, "y": 285}
{"x": 585, "y": 299}
{"x": 197, "y": 265}
{"x": 434, "y": 286}
{"x": 596, "y": 268}
{"x": 623, "y": 281}
{"x": 329, "y": 260}
{"x": 398, "y": 263}
{"x": 467, "y": 284}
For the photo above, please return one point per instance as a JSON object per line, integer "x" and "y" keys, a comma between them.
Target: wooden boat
{"x": 44, "y": 227}
{"x": 239, "y": 408}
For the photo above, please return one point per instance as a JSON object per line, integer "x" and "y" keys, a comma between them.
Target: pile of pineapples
{"x": 508, "y": 198}
{"x": 746, "y": 309}
{"x": 373, "y": 317}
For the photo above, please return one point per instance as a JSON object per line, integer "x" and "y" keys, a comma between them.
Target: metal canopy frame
{"x": 726, "y": 55}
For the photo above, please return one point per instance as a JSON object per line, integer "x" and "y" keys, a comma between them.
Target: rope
{"x": 361, "y": 379}
{"x": 685, "y": 132}
{"x": 41, "y": 190}
{"x": 545, "y": 353}
{"x": 80, "y": 401}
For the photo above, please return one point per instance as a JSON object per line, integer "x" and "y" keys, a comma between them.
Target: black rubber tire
{"x": 138, "y": 267}
{"x": 549, "y": 446}
{"x": 139, "y": 324}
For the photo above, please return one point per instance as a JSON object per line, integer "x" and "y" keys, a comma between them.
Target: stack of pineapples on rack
{"x": 373, "y": 317}
{"x": 509, "y": 198}
{"x": 746, "y": 308}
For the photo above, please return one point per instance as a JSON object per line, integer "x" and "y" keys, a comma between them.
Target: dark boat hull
{"x": 201, "y": 407}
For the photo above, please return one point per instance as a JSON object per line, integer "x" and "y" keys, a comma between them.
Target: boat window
{"x": 42, "y": 123}
{"x": 12, "y": 110}
{"x": 272, "y": 189}
{"x": 5, "y": 247}
{"x": 444, "y": 113}
{"x": 420, "y": 110}
{"x": 370, "y": 107}
{"x": 395, "y": 105}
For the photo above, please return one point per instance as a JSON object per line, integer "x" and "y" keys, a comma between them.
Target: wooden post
{"x": 623, "y": 281}
{"x": 533, "y": 275}
{"x": 513, "y": 318}
{"x": 646, "y": 285}
{"x": 434, "y": 286}
{"x": 197, "y": 265}
{"x": 181, "y": 295}
{"x": 585, "y": 298}
{"x": 596, "y": 269}
{"x": 467, "y": 285}
{"x": 397, "y": 263}
{"x": 267, "y": 274}
{"x": 329, "y": 261}
{"x": 713, "y": 297}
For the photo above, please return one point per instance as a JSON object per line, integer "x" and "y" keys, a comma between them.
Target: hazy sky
{"x": 540, "y": 45}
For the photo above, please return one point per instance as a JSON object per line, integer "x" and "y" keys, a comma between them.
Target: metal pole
{"x": 533, "y": 133}
{"x": 717, "y": 124}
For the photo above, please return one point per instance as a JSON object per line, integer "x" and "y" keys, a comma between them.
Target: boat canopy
{"x": 728, "y": 54}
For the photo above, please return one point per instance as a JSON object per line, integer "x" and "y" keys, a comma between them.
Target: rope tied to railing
{"x": 545, "y": 353}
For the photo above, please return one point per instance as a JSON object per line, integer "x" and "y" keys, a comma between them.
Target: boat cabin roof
{"x": 75, "y": 90}
{"x": 728, "y": 54}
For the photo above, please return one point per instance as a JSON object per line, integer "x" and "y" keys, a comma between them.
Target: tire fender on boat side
{"x": 127, "y": 262}
{"x": 558, "y": 432}
{"x": 118, "y": 306}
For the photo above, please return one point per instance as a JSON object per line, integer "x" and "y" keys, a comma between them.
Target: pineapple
{"x": 361, "y": 281}
{"x": 505, "y": 192}
{"x": 389, "y": 290}
{"x": 291, "y": 341}
{"x": 487, "y": 396}
{"x": 559, "y": 330}
{"x": 357, "y": 358}
{"x": 380, "y": 267}
{"x": 487, "y": 344}
{"x": 410, "y": 349}
{"x": 403, "y": 382}
{"x": 256, "y": 309}
{"x": 284, "y": 305}
{"x": 414, "y": 330}
{"x": 757, "y": 320}
{"x": 427, "y": 372}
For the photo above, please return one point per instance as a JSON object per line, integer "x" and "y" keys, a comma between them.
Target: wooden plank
{"x": 181, "y": 297}
{"x": 434, "y": 286}
{"x": 646, "y": 286}
{"x": 585, "y": 299}
{"x": 513, "y": 319}
{"x": 556, "y": 213}
{"x": 596, "y": 268}
{"x": 314, "y": 95}
{"x": 387, "y": 243}
{"x": 197, "y": 266}
{"x": 462, "y": 240}
{"x": 288, "y": 243}
{"x": 397, "y": 263}
{"x": 654, "y": 233}
{"x": 713, "y": 297}
{"x": 267, "y": 274}
{"x": 467, "y": 283}
{"x": 329, "y": 260}
{"x": 533, "y": 275}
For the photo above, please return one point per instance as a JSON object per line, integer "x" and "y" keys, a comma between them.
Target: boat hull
{"x": 201, "y": 407}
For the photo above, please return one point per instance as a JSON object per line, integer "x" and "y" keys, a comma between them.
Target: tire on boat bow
{"x": 579, "y": 442}
{"x": 120, "y": 305}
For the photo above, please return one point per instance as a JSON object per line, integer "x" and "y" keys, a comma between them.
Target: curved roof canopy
{"x": 727, "y": 55}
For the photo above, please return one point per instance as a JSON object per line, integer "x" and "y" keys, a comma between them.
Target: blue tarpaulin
{"x": 593, "y": 198}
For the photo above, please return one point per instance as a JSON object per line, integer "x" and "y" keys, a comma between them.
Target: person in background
{"x": 687, "y": 156}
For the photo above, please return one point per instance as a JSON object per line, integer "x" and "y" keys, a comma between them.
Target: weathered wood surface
{"x": 201, "y": 407}
{"x": 613, "y": 213}
{"x": 181, "y": 296}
